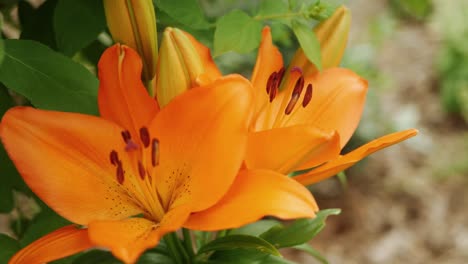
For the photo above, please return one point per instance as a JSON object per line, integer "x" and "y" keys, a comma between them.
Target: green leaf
{"x": 186, "y": 12}
{"x": 10, "y": 179}
{"x": 255, "y": 229}
{"x": 313, "y": 252}
{"x": 273, "y": 7}
{"x": 237, "y": 32}
{"x": 239, "y": 256}
{"x": 299, "y": 232}
{"x": 239, "y": 242}
{"x": 47, "y": 78}
{"x": 9, "y": 247}
{"x": 150, "y": 258}
{"x": 37, "y": 24}
{"x": 96, "y": 256}
{"x": 308, "y": 41}
{"x": 77, "y": 23}
{"x": 2, "y": 46}
{"x": 44, "y": 222}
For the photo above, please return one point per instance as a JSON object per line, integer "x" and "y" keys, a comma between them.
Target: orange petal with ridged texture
{"x": 195, "y": 129}
{"x": 253, "y": 195}
{"x": 343, "y": 162}
{"x": 122, "y": 97}
{"x": 269, "y": 60}
{"x": 337, "y": 103}
{"x": 287, "y": 149}
{"x": 128, "y": 239}
{"x": 211, "y": 70}
{"x": 61, "y": 243}
{"x": 64, "y": 159}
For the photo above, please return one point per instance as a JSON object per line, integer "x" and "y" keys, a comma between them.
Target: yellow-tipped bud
{"x": 179, "y": 67}
{"x": 133, "y": 23}
{"x": 333, "y": 36}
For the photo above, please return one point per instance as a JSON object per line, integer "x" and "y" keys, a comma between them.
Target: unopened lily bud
{"x": 133, "y": 23}
{"x": 180, "y": 66}
{"x": 333, "y": 36}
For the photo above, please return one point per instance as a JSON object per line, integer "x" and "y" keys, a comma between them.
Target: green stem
{"x": 188, "y": 242}
{"x": 285, "y": 15}
{"x": 171, "y": 241}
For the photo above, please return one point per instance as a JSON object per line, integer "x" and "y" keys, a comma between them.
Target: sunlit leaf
{"x": 308, "y": 41}
{"x": 186, "y": 12}
{"x": 273, "y": 7}
{"x": 236, "y": 32}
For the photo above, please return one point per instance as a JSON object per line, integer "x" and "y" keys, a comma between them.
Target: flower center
{"x": 134, "y": 173}
{"x": 280, "y": 114}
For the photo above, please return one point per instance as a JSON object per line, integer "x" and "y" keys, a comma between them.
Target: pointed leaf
{"x": 257, "y": 228}
{"x": 313, "y": 252}
{"x": 309, "y": 42}
{"x": 239, "y": 242}
{"x": 299, "y": 232}
{"x": 47, "y": 78}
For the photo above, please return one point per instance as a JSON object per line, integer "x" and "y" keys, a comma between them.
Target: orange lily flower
{"x": 307, "y": 122}
{"x": 137, "y": 173}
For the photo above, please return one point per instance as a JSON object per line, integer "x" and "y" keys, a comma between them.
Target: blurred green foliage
{"x": 452, "y": 63}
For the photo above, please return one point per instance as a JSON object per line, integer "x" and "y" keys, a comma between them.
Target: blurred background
{"x": 405, "y": 204}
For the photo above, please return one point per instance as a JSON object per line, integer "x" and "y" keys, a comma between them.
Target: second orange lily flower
{"x": 303, "y": 118}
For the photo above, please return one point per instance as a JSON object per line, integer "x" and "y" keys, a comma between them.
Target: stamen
{"x": 273, "y": 92}
{"x": 126, "y": 136}
{"x": 296, "y": 93}
{"x": 131, "y": 145}
{"x": 145, "y": 136}
{"x": 141, "y": 170}
{"x": 114, "y": 157}
{"x": 279, "y": 76}
{"x": 308, "y": 95}
{"x": 120, "y": 173}
{"x": 155, "y": 152}
{"x": 270, "y": 82}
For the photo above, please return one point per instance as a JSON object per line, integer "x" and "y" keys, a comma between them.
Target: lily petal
{"x": 343, "y": 162}
{"x": 64, "y": 159}
{"x": 61, "y": 243}
{"x": 337, "y": 102}
{"x": 269, "y": 60}
{"x": 122, "y": 97}
{"x": 128, "y": 239}
{"x": 196, "y": 128}
{"x": 285, "y": 149}
{"x": 253, "y": 195}
{"x": 211, "y": 70}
